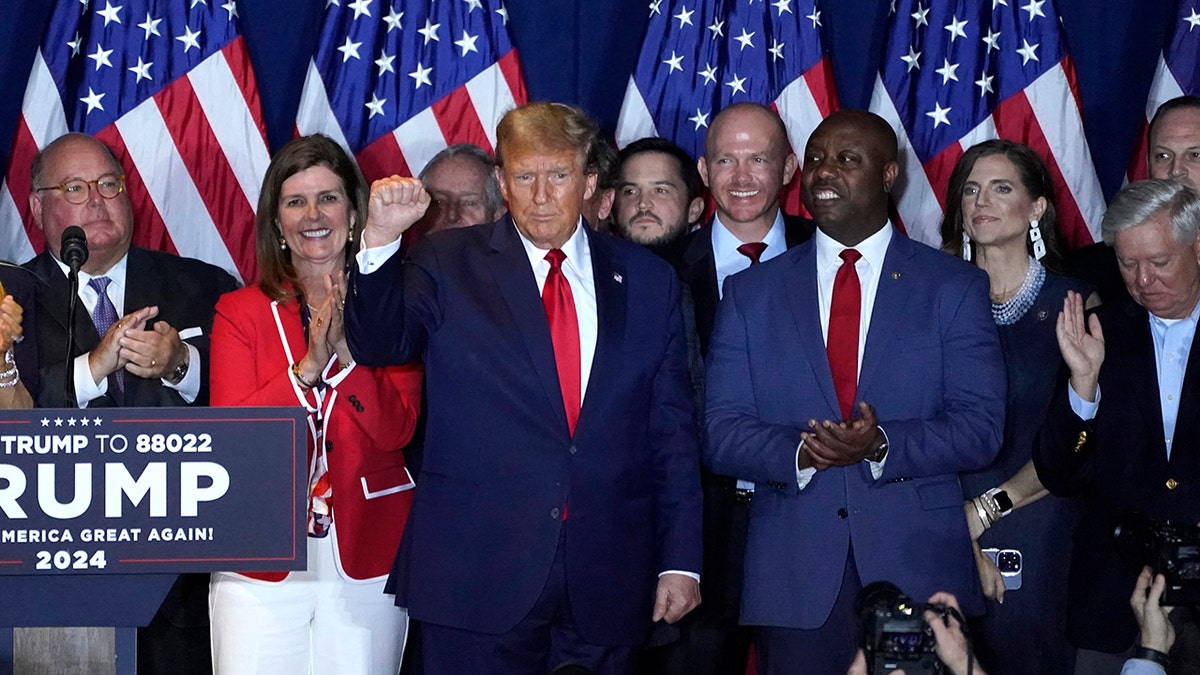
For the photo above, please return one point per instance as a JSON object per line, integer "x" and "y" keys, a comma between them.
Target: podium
{"x": 101, "y": 509}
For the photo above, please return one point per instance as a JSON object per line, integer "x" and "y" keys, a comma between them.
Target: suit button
{"x": 328, "y": 446}
{"x": 842, "y": 513}
{"x": 1172, "y": 483}
{"x": 573, "y": 449}
{"x": 555, "y": 513}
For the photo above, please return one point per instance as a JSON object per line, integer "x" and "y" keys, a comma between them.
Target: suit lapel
{"x": 1185, "y": 436}
{"x": 1142, "y": 378}
{"x": 53, "y": 305}
{"x": 888, "y": 312}
{"x": 514, "y": 278}
{"x": 699, "y": 271}
{"x": 799, "y": 286}
{"x": 608, "y": 276}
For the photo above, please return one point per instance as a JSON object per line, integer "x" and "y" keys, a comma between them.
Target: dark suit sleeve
{"x": 677, "y": 458}
{"x": 965, "y": 434}
{"x": 1065, "y": 445}
{"x": 739, "y": 442}
{"x": 391, "y": 311}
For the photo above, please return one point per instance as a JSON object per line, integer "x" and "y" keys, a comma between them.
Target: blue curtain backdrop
{"x": 582, "y": 51}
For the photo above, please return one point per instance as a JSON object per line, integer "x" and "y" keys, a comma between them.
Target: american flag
{"x": 168, "y": 86}
{"x": 700, "y": 56}
{"x": 397, "y": 81}
{"x": 1178, "y": 73}
{"x": 957, "y": 72}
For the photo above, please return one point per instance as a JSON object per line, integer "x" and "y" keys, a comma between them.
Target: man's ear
{"x": 789, "y": 167}
{"x": 695, "y": 210}
{"x": 702, "y": 167}
{"x": 35, "y": 209}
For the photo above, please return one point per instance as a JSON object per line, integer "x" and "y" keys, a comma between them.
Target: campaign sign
{"x": 140, "y": 490}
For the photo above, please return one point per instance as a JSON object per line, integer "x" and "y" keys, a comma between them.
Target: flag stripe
{"x": 457, "y": 118}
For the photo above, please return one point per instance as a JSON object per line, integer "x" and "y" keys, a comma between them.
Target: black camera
{"x": 1170, "y": 549}
{"x": 894, "y": 632}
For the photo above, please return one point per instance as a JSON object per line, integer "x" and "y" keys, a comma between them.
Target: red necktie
{"x": 752, "y": 251}
{"x": 841, "y": 345}
{"x": 564, "y": 332}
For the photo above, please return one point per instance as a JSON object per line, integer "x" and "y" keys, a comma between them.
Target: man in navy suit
{"x": 1123, "y": 430}
{"x": 851, "y": 379}
{"x": 558, "y": 508}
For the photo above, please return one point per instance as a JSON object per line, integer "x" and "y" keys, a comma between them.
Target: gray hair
{"x": 1138, "y": 202}
{"x": 493, "y": 200}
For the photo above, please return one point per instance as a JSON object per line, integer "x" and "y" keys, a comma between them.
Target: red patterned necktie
{"x": 752, "y": 251}
{"x": 841, "y": 346}
{"x": 564, "y": 332}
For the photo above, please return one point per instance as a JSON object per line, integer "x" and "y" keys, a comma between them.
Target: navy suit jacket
{"x": 698, "y": 270}
{"x": 499, "y": 460}
{"x": 1119, "y": 467}
{"x": 933, "y": 370}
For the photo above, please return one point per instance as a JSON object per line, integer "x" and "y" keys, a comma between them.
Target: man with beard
{"x": 658, "y": 196}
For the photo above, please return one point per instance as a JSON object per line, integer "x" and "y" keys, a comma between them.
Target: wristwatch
{"x": 880, "y": 450}
{"x": 180, "y": 371}
{"x": 1003, "y": 501}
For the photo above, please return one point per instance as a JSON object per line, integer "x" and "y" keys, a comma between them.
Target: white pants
{"x": 312, "y": 622}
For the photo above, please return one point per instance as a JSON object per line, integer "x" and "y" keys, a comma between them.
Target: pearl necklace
{"x": 1011, "y": 311}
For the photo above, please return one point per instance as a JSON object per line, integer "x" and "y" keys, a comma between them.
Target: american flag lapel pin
{"x": 618, "y": 278}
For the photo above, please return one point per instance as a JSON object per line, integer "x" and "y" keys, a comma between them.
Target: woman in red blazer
{"x": 281, "y": 343}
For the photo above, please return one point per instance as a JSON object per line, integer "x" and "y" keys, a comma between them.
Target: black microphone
{"x": 74, "y": 248}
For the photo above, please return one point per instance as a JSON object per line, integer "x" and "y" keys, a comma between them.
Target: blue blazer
{"x": 933, "y": 370}
{"x": 500, "y": 462}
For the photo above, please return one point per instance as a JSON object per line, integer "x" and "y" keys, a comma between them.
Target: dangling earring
{"x": 966, "y": 247}
{"x": 350, "y": 235}
{"x": 282, "y": 244}
{"x": 1035, "y": 236}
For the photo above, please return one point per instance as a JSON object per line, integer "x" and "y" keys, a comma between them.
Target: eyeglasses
{"x": 76, "y": 191}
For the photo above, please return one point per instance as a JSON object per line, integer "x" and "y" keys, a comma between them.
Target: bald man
{"x": 852, "y": 378}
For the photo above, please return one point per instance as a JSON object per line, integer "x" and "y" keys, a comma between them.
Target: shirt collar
{"x": 575, "y": 248}
{"x": 116, "y": 273}
{"x": 725, "y": 243}
{"x": 873, "y": 248}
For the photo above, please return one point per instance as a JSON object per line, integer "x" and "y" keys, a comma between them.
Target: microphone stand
{"x": 69, "y": 371}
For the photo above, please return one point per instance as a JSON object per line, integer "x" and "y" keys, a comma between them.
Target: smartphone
{"x": 1010, "y": 563}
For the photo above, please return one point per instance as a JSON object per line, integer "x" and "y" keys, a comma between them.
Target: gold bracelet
{"x": 300, "y": 377}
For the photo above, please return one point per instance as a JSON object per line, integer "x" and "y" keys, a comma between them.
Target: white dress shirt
{"x": 86, "y": 388}
{"x": 869, "y": 267}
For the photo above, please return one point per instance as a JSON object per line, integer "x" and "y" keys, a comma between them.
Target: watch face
{"x": 1003, "y": 501}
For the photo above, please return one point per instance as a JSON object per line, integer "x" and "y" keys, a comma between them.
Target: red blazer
{"x": 373, "y": 412}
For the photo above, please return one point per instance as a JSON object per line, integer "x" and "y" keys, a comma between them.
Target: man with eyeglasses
{"x": 141, "y": 341}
